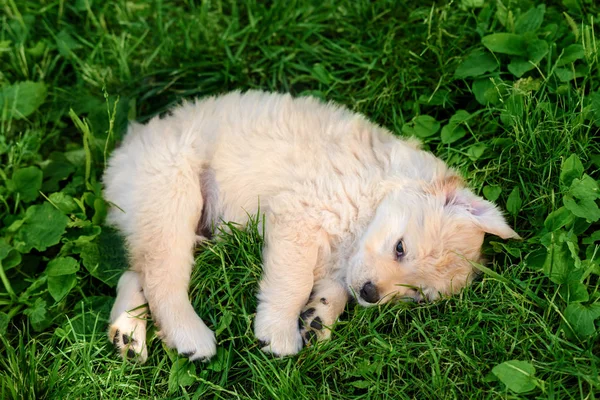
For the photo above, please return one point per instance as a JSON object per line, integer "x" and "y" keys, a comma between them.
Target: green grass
{"x": 113, "y": 61}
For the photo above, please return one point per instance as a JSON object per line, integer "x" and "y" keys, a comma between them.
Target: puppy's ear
{"x": 484, "y": 213}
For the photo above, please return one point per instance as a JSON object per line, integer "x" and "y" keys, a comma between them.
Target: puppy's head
{"x": 420, "y": 243}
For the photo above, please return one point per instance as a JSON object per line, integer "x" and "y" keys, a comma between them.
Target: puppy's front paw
{"x": 191, "y": 338}
{"x": 277, "y": 336}
{"x": 316, "y": 320}
{"x": 128, "y": 334}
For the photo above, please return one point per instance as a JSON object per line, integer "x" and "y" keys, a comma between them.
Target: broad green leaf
{"x": 27, "y": 182}
{"x": 518, "y": 66}
{"x": 591, "y": 266}
{"x": 585, "y": 188}
{"x": 587, "y": 209}
{"x": 500, "y": 247}
{"x": 572, "y": 5}
{"x": 518, "y": 376}
{"x": 63, "y": 202}
{"x": 43, "y": 227}
{"x": 567, "y": 74}
{"x": 536, "y": 259}
{"x": 439, "y": 98}
{"x": 60, "y": 286}
{"x": 549, "y": 32}
{"x": 66, "y": 43}
{"x": 55, "y": 172}
{"x": 105, "y": 257}
{"x": 558, "y": 263}
{"x": 361, "y": 384}
{"x": 557, "y": 219}
{"x": 571, "y": 54}
{"x": 506, "y": 43}
{"x": 219, "y": 362}
{"x": 452, "y": 132}
{"x": 574, "y": 292}
{"x": 501, "y": 142}
{"x": 514, "y": 202}
{"x": 9, "y": 257}
{"x": 531, "y": 20}
{"x": 460, "y": 116}
{"x": 32, "y": 289}
{"x": 421, "y": 126}
{"x": 477, "y": 63}
{"x": 580, "y": 319}
{"x": 37, "y": 315}
{"x": 224, "y": 322}
{"x": 536, "y": 51}
{"x": 476, "y": 151}
{"x": 5, "y": 248}
{"x": 87, "y": 233}
{"x": 485, "y": 91}
{"x": 38, "y": 49}
{"x": 21, "y": 99}
{"x": 182, "y": 374}
{"x": 571, "y": 168}
{"x": 62, "y": 266}
{"x": 5, "y": 46}
{"x": 581, "y": 198}
{"x": 492, "y": 192}
{"x": 594, "y": 237}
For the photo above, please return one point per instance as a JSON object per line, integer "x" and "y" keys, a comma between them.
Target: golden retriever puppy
{"x": 351, "y": 210}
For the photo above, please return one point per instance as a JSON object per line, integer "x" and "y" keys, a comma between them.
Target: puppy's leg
{"x": 127, "y": 330}
{"x": 289, "y": 258}
{"x": 327, "y": 302}
{"x": 161, "y": 247}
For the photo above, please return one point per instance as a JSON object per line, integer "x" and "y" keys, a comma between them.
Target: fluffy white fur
{"x": 338, "y": 191}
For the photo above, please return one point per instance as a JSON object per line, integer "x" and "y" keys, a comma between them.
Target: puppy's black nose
{"x": 369, "y": 293}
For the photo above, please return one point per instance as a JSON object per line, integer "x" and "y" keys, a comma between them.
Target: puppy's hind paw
{"x": 128, "y": 335}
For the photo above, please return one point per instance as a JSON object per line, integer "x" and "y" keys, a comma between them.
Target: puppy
{"x": 350, "y": 210}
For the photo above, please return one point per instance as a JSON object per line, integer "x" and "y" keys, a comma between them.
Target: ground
{"x": 505, "y": 91}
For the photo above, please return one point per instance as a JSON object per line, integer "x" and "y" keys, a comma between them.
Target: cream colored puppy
{"x": 351, "y": 210}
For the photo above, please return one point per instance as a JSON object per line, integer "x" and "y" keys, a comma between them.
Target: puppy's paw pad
{"x": 315, "y": 321}
{"x": 128, "y": 336}
{"x": 126, "y": 339}
{"x": 309, "y": 337}
{"x": 128, "y": 346}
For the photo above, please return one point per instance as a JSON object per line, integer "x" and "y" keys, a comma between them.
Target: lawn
{"x": 507, "y": 92}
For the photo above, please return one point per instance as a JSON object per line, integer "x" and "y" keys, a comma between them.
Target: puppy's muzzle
{"x": 369, "y": 293}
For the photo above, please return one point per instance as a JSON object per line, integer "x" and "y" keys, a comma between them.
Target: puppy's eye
{"x": 399, "y": 249}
